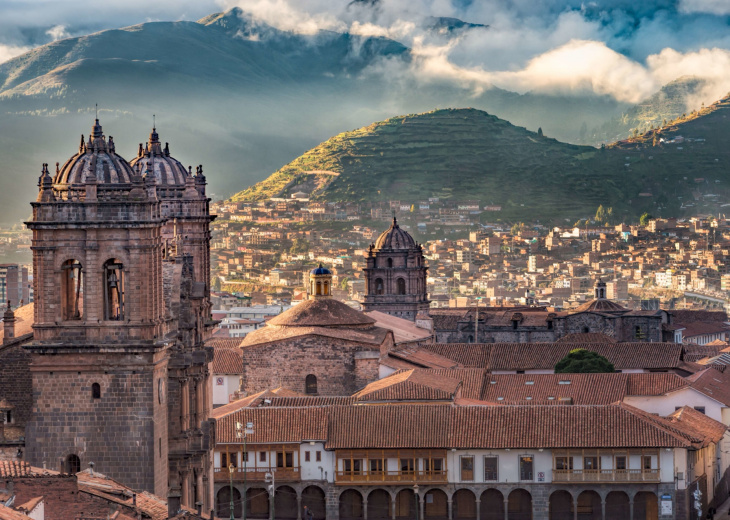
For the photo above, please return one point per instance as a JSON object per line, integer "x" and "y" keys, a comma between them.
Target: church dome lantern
{"x": 320, "y": 283}
{"x": 395, "y": 238}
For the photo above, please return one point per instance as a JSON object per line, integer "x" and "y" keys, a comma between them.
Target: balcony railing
{"x": 378, "y": 477}
{"x": 257, "y": 474}
{"x": 606, "y": 475}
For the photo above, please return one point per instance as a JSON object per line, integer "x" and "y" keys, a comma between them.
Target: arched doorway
{"x": 223, "y": 502}
{"x": 313, "y": 498}
{"x": 379, "y": 505}
{"x": 561, "y": 506}
{"x": 405, "y": 504}
{"x": 257, "y": 503}
{"x": 73, "y": 464}
{"x": 617, "y": 505}
{"x": 435, "y": 505}
{"x": 285, "y": 503}
{"x": 491, "y": 505}
{"x": 465, "y": 505}
{"x": 519, "y": 505}
{"x": 589, "y": 506}
{"x": 350, "y": 505}
{"x": 645, "y": 506}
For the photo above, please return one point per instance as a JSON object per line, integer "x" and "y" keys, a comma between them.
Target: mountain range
{"x": 239, "y": 96}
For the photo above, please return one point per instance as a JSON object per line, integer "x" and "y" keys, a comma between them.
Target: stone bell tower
{"x": 395, "y": 274}
{"x": 99, "y": 353}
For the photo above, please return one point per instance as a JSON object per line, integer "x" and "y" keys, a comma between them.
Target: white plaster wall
{"x": 666, "y": 404}
{"x": 221, "y": 392}
{"x": 680, "y": 466}
{"x": 311, "y": 470}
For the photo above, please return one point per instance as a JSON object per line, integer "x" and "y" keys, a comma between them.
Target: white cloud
{"x": 718, "y": 7}
{"x": 58, "y": 32}
{"x": 8, "y": 52}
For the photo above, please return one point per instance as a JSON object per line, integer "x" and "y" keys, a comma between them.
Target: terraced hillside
{"x": 453, "y": 153}
{"x": 467, "y": 154}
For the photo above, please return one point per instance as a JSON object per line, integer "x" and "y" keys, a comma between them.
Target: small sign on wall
{"x": 541, "y": 476}
{"x": 219, "y": 381}
{"x": 666, "y": 505}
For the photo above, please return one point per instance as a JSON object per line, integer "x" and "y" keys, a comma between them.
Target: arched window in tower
{"x": 72, "y": 290}
{"x": 319, "y": 289}
{"x": 401, "y": 286}
{"x": 326, "y": 290}
{"x": 390, "y": 262}
{"x": 310, "y": 383}
{"x": 113, "y": 290}
{"x": 378, "y": 286}
{"x": 96, "y": 391}
{"x": 73, "y": 464}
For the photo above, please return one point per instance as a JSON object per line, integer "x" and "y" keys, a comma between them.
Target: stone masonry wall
{"x": 116, "y": 432}
{"x": 287, "y": 363}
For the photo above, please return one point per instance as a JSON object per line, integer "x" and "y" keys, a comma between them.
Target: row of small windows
{"x": 72, "y": 290}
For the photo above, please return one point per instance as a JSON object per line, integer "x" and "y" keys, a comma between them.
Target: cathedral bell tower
{"x": 99, "y": 321}
{"x": 395, "y": 274}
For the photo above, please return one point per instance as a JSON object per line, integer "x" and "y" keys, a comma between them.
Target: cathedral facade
{"x": 120, "y": 375}
{"x": 395, "y": 275}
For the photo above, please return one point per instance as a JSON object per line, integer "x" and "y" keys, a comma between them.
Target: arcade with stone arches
{"x": 460, "y": 502}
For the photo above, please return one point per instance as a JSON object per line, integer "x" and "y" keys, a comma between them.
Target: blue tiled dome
{"x": 320, "y": 270}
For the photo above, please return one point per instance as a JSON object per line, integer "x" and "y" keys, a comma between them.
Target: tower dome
{"x": 320, "y": 283}
{"x": 96, "y": 156}
{"x": 153, "y": 158}
{"x": 395, "y": 238}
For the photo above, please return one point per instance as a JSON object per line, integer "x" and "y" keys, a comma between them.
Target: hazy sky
{"x": 624, "y": 48}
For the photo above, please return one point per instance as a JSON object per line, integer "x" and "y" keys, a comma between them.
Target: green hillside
{"x": 459, "y": 154}
{"x": 467, "y": 154}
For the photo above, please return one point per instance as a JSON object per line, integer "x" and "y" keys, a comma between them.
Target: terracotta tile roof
{"x": 279, "y": 425}
{"x": 322, "y": 312}
{"x": 544, "y": 356}
{"x": 496, "y": 427}
{"x": 688, "y": 316}
{"x": 694, "y": 352}
{"x": 416, "y": 356}
{"x": 472, "y": 381}
{"x": 586, "y": 337}
{"x": 223, "y": 342}
{"x": 411, "y": 385}
{"x": 14, "y": 468}
{"x": 7, "y": 513}
{"x": 102, "y": 483}
{"x": 30, "y": 504}
{"x": 697, "y": 423}
{"x": 404, "y": 331}
{"x": 227, "y": 361}
{"x": 307, "y": 401}
{"x": 234, "y": 406}
{"x": 698, "y": 328}
{"x": 713, "y": 384}
{"x": 373, "y": 336}
{"x": 602, "y": 305}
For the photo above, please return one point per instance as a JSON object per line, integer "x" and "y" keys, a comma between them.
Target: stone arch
{"x": 313, "y": 497}
{"x": 72, "y": 290}
{"x": 95, "y": 391}
{"x": 561, "y": 505}
{"x": 379, "y": 286}
{"x": 223, "y": 502}
{"x": 285, "y": 503}
{"x": 405, "y": 504}
{"x": 491, "y": 505}
{"x": 464, "y": 505}
{"x": 310, "y": 384}
{"x": 618, "y": 505}
{"x": 400, "y": 286}
{"x": 435, "y": 505}
{"x": 646, "y": 506}
{"x": 72, "y": 464}
{"x": 351, "y": 505}
{"x": 379, "y": 505}
{"x": 257, "y": 503}
{"x": 113, "y": 281}
{"x": 519, "y": 505}
{"x": 589, "y": 505}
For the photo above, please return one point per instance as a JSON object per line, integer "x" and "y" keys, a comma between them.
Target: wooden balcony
{"x": 390, "y": 477}
{"x": 256, "y": 474}
{"x": 606, "y": 475}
